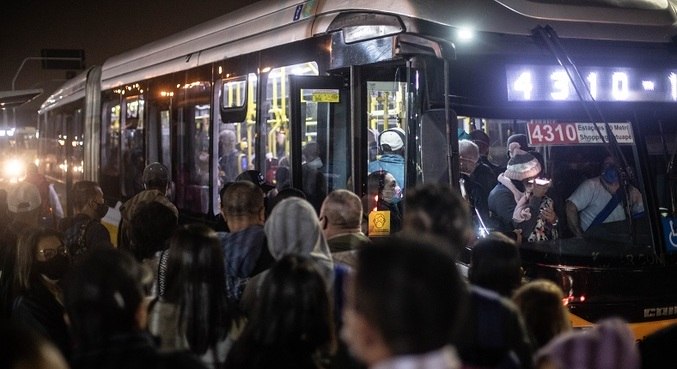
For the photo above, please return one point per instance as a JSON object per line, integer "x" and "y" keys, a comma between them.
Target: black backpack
{"x": 75, "y": 238}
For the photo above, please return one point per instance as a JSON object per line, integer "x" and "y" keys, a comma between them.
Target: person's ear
{"x": 262, "y": 214}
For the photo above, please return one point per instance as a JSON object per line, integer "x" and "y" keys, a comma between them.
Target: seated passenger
{"x": 518, "y": 204}
{"x": 598, "y": 200}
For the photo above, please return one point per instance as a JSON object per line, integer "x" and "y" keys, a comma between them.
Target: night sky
{"x": 101, "y": 28}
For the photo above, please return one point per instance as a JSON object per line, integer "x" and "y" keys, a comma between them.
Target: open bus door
{"x": 321, "y": 136}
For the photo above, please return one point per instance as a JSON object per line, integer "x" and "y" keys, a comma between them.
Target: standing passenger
{"x": 404, "y": 306}
{"x": 291, "y": 323}
{"x": 391, "y": 144}
{"x": 24, "y": 205}
{"x": 107, "y": 311}
{"x": 152, "y": 225}
{"x": 156, "y": 185}
{"x": 542, "y": 305}
{"x": 244, "y": 248}
{"x": 51, "y": 211}
{"x": 84, "y": 230}
{"x": 192, "y": 315}
{"x": 41, "y": 262}
{"x": 341, "y": 220}
{"x": 518, "y": 204}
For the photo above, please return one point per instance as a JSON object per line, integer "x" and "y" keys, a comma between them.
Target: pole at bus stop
{"x": 76, "y": 61}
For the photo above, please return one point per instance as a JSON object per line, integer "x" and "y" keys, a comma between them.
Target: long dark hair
{"x": 292, "y": 320}
{"x": 27, "y": 244}
{"x": 102, "y": 296}
{"x": 196, "y": 283}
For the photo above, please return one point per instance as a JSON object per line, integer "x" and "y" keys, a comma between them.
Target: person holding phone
{"x": 518, "y": 204}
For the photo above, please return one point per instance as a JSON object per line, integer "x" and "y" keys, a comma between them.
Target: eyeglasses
{"x": 50, "y": 253}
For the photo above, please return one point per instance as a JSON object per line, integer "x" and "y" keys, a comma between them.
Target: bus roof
{"x": 275, "y": 22}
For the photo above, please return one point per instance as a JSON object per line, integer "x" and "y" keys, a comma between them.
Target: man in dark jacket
{"x": 84, "y": 231}
{"x": 244, "y": 248}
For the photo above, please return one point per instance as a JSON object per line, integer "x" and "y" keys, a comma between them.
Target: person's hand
{"x": 549, "y": 215}
{"x": 539, "y": 190}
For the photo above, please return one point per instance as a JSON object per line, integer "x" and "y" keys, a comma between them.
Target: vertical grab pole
{"x": 452, "y": 135}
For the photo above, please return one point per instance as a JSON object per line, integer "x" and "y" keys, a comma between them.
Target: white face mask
{"x": 391, "y": 194}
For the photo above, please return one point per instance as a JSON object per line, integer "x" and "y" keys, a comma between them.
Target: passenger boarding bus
{"x": 279, "y": 84}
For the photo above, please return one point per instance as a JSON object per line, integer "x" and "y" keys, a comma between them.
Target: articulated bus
{"x": 279, "y": 83}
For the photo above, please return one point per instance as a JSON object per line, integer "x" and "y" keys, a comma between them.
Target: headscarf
{"x": 293, "y": 228}
{"x": 608, "y": 345}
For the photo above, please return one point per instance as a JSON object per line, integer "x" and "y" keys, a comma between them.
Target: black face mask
{"x": 54, "y": 268}
{"x": 101, "y": 210}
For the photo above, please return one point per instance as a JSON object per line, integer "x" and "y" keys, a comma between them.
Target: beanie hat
{"x": 393, "y": 137}
{"x": 521, "y": 139}
{"x": 23, "y": 197}
{"x": 468, "y": 151}
{"x": 521, "y": 165}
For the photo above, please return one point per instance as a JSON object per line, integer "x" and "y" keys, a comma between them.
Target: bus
{"x": 279, "y": 84}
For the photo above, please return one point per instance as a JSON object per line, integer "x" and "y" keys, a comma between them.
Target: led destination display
{"x": 551, "y": 83}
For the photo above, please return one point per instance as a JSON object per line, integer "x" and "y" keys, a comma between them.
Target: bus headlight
{"x": 13, "y": 169}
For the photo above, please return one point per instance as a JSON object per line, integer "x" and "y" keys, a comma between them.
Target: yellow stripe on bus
{"x": 640, "y": 330}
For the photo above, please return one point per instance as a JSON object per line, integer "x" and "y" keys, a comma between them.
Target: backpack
{"x": 75, "y": 238}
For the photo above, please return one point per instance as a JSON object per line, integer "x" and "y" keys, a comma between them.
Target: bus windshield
{"x": 593, "y": 200}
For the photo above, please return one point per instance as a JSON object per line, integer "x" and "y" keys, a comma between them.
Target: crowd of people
{"x": 293, "y": 284}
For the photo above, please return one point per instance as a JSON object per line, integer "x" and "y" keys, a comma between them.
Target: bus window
{"x": 583, "y": 172}
{"x": 276, "y": 147}
{"x": 235, "y": 148}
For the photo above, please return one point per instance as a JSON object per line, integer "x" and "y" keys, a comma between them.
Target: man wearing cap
{"x": 518, "y": 204}
{"x": 391, "y": 144}
{"x": 156, "y": 184}
{"x": 24, "y": 204}
{"x": 599, "y": 200}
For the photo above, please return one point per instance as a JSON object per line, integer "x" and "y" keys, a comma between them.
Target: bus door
{"x": 321, "y": 155}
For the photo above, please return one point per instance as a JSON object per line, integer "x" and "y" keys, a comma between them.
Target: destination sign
{"x": 551, "y": 83}
{"x": 577, "y": 133}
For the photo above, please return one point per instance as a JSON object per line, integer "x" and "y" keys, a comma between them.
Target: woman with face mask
{"x": 40, "y": 264}
{"x": 384, "y": 193}
{"x": 84, "y": 231}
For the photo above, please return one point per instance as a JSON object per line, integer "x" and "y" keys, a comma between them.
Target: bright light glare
{"x": 13, "y": 168}
{"x": 465, "y": 34}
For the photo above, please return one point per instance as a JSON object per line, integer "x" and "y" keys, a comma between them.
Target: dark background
{"x": 101, "y": 28}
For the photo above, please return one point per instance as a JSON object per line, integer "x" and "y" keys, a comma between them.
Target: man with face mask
{"x": 599, "y": 200}
{"x": 84, "y": 230}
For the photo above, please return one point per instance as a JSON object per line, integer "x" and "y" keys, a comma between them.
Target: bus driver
{"x": 598, "y": 200}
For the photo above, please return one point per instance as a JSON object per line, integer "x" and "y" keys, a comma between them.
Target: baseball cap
{"x": 393, "y": 137}
{"x": 155, "y": 175}
{"x": 255, "y": 177}
{"x": 23, "y": 197}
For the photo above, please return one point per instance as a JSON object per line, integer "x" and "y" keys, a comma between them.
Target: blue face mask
{"x": 610, "y": 174}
